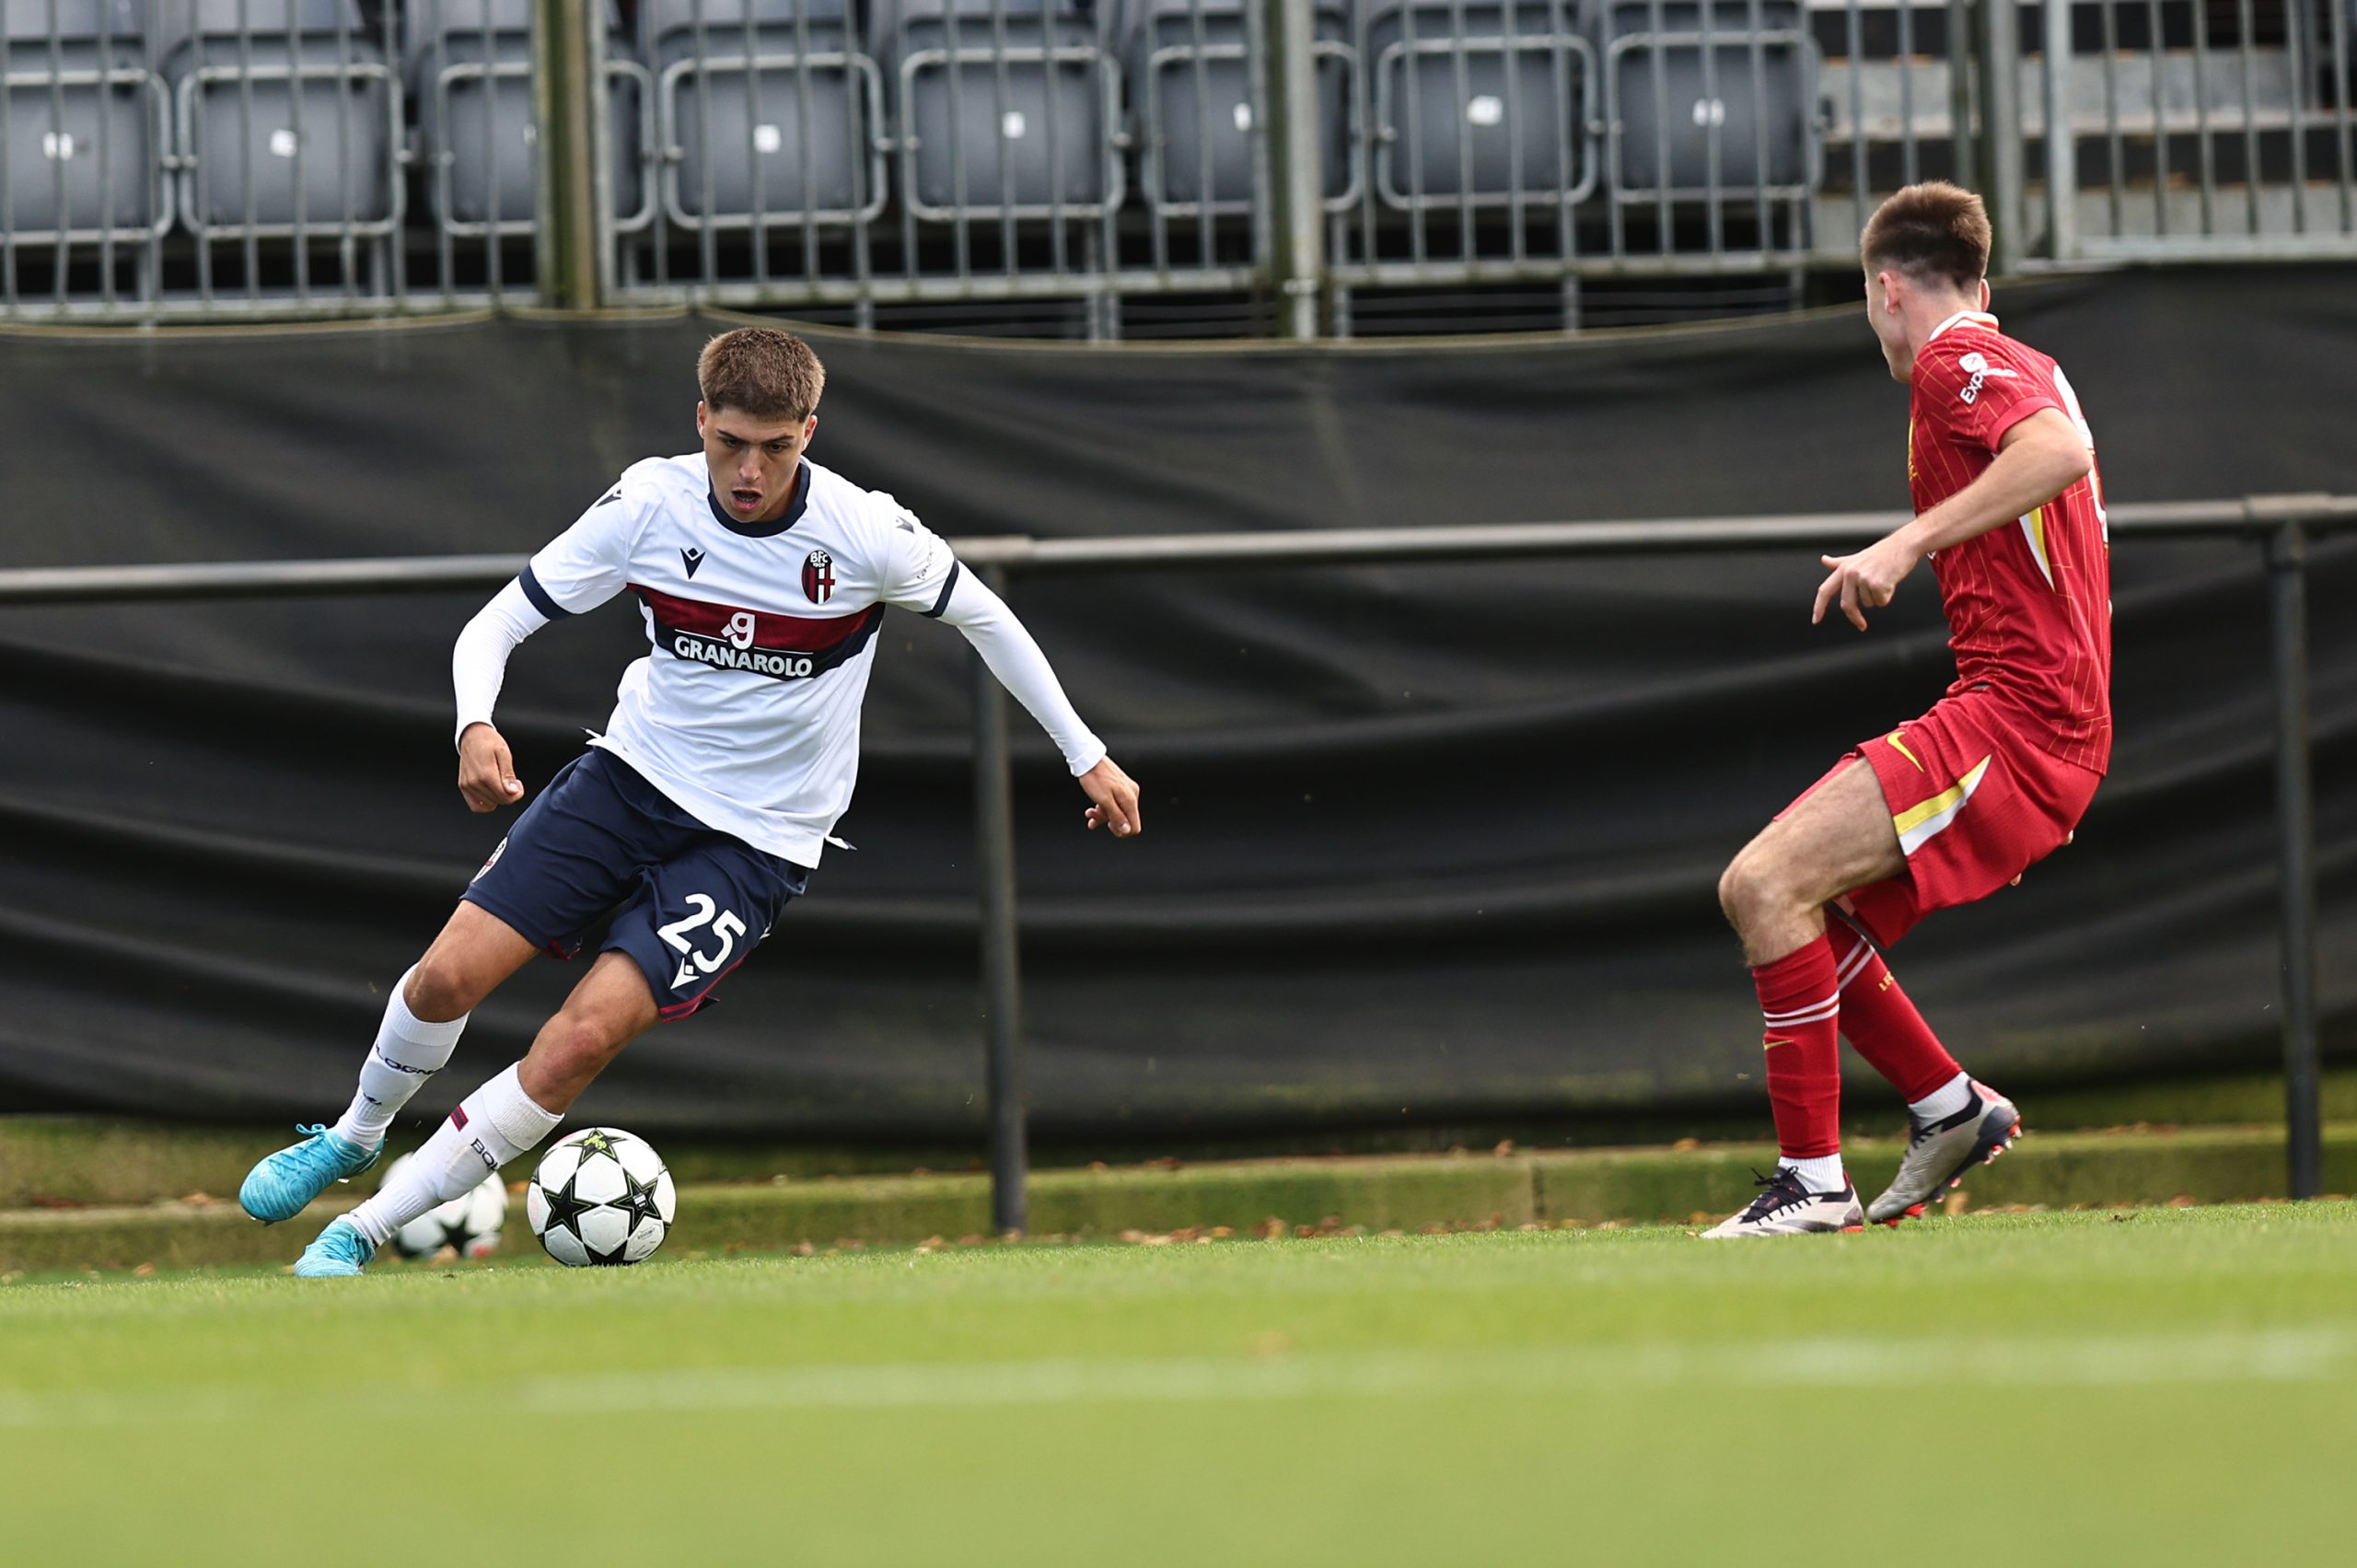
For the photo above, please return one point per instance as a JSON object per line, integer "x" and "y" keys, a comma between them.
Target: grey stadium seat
{"x": 1480, "y": 104}
{"x": 85, "y": 126}
{"x": 1679, "y": 76}
{"x": 469, "y": 66}
{"x": 1007, "y": 108}
{"x": 1191, "y": 89}
{"x": 789, "y": 101}
{"x": 289, "y": 117}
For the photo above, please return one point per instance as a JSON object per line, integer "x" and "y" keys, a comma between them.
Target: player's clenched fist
{"x": 1115, "y": 797}
{"x": 486, "y": 771}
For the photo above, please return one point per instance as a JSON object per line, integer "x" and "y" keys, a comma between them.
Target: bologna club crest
{"x": 819, "y": 578}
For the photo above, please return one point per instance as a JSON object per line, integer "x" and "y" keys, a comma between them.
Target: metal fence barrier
{"x": 1124, "y": 161}
{"x": 194, "y": 160}
{"x": 2281, "y": 524}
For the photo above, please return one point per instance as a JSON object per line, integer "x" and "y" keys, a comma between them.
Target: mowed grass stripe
{"x": 2323, "y": 1352}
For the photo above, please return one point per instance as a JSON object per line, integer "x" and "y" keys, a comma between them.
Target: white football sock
{"x": 1943, "y": 1101}
{"x": 491, "y": 1127}
{"x": 408, "y": 1051}
{"x": 1822, "y": 1174}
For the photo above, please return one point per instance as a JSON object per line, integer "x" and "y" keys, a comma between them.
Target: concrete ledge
{"x": 1402, "y": 1192}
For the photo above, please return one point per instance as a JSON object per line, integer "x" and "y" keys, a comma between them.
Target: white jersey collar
{"x": 1978, "y": 318}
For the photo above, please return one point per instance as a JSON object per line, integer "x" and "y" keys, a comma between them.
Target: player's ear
{"x": 700, "y": 418}
{"x": 1984, "y": 294}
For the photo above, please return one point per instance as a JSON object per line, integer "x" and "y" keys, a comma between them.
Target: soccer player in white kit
{"x": 703, "y": 808}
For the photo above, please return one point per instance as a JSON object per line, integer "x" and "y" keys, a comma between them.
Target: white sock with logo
{"x": 1821, "y": 1175}
{"x": 1943, "y": 1101}
{"x": 491, "y": 1127}
{"x": 408, "y": 1051}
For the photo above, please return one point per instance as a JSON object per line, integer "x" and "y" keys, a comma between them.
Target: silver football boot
{"x": 1939, "y": 1153}
{"x": 1784, "y": 1207}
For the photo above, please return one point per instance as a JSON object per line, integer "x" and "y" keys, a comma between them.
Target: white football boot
{"x": 1784, "y": 1207}
{"x": 1939, "y": 1153}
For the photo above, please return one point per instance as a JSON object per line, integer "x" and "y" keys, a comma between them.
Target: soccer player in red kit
{"x": 1950, "y": 807}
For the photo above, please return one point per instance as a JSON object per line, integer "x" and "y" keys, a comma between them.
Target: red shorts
{"x": 1974, "y": 803}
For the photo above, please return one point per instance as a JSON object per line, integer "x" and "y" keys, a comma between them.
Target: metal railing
{"x": 2281, "y": 524}
{"x": 913, "y": 162}
{"x": 206, "y": 159}
{"x": 2182, "y": 128}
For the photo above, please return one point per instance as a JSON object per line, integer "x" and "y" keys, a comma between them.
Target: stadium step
{"x": 1504, "y": 1188}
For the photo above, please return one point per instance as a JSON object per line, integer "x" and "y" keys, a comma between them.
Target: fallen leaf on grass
{"x": 1956, "y": 1201}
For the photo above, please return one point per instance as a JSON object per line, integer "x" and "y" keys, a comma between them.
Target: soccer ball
{"x": 468, "y": 1223}
{"x": 601, "y": 1195}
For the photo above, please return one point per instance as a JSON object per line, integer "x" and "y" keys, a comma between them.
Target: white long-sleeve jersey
{"x": 746, "y": 710}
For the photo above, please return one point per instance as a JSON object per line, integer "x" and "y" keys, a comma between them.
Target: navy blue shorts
{"x": 694, "y": 901}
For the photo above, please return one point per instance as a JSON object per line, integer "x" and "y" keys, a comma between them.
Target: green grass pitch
{"x": 2150, "y": 1387}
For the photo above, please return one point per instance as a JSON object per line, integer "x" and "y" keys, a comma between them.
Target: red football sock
{"x": 1882, "y": 1023}
{"x": 1802, "y": 1004}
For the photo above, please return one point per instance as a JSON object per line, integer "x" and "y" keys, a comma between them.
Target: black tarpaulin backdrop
{"x": 1422, "y": 842}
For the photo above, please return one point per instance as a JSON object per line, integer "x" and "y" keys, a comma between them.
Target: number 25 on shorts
{"x": 726, "y": 926}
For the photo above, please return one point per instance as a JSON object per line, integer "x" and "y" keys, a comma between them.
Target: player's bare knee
{"x": 440, "y": 989}
{"x": 1747, "y": 887}
{"x": 583, "y": 1043}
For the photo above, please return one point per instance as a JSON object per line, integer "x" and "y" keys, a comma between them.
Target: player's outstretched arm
{"x": 487, "y": 778}
{"x": 2038, "y": 460}
{"x": 1013, "y": 656}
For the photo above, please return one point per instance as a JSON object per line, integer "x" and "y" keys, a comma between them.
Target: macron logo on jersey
{"x": 692, "y": 557}
{"x": 1976, "y": 364}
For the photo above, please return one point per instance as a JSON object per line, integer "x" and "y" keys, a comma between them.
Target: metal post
{"x": 2062, "y": 147}
{"x": 1296, "y": 182}
{"x": 2287, "y": 552}
{"x": 2000, "y": 132}
{"x": 566, "y": 238}
{"x": 1963, "y": 26}
{"x": 1002, "y": 979}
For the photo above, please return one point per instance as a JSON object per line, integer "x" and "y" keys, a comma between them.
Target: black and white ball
{"x": 467, "y": 1225}
{"x": 600, "y": 1195}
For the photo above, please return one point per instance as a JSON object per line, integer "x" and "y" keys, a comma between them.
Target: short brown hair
{"x": 760, "y": 371}
{"x": 1935, "y": 230}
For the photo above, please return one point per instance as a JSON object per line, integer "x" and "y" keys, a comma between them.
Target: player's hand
{"x": 486, "y": 773}
{"x": 1115, "y": 797}
{"x": 1864, "y": 581}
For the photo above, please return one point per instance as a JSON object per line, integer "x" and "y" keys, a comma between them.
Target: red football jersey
{"x": 2029, "y": 605}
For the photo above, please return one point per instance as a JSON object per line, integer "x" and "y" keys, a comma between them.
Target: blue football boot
{"x": 339, "y": 1249}
{"x": 281, "y": 1184}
